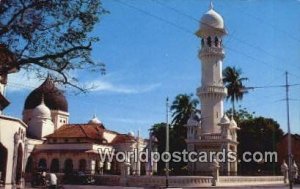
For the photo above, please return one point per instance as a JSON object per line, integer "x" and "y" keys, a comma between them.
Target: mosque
{"x": 44, "y": 138}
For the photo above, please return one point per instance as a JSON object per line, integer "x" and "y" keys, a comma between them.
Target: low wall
{"x": 186, "y": 181}
{"x": 250, "y": 180}
{"x": 155, "y": 181}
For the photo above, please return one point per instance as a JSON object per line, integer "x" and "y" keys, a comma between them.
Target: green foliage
{"x": 51, "y": 35}
{"x": 234, "y": 83}
{"x": 257, "y": 134}
{"x": 159, "y": 131}
{"x": 182, "y": 107}
{"x": 240, "y": 115}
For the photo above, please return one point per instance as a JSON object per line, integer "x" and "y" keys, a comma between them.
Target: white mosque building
{"x": 44, "y": 138}
{"x": 211, "y": 130}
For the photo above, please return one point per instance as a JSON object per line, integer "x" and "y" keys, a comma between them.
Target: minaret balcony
{"x": 212, "y": 90}
{"x": 211, "y": 51}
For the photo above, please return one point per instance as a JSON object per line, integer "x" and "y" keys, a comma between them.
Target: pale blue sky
{"x": 150, "y": 52}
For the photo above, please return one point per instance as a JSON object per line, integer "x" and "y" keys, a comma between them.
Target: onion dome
{"x": 211, "y": 20}
{"x": 41, "y": 111}
{"x": 53, "y": 97}
{"x": 224, "y": 120}
{"x": 94, "y": 120}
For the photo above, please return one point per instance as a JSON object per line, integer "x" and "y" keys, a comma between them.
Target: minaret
{"x": 213, "y": 131}
{"x": 212, "y": 91}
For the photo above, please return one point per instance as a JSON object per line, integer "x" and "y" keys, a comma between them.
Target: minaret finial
{"x": 43, "y": 100}
{"x": 211, "y": 5}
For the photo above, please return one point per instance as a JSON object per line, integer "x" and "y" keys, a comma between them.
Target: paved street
{"x": 120, "y": 187}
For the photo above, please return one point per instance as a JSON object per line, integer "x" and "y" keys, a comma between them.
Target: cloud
{"x": 22, "y": 81}
{"x": 106, "y": 86}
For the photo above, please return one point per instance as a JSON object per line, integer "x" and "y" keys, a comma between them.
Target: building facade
{"x": 45, "y": 140}
{"x": 12, "y": 130}
{"x": 209, "y": 129}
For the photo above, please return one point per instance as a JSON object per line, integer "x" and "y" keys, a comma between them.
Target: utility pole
{"x": 289, "y": 130}
{"x": 167, "y": 141}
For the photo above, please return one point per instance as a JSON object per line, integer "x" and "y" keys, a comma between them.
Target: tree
{"x": 159, "y": 131}
{"x": 234, "y": 83}
{"x": 182, "y": 108}
{"x": 241, "y": 114}
{"x": 258, "y": 134}
{"x": 51, "y": 35}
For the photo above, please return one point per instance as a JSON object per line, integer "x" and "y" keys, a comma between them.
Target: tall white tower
{"x": 213, "y": 132}
{"x": 212, "y": 91}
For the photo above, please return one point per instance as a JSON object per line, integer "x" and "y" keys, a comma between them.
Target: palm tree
{"x": 182, "y": 107}
{"x": 234, "y": 83}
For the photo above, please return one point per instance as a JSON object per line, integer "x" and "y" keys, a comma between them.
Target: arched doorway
{"x": 19, "y": 164}
{"x": 82, "y": 165}
{"x": 68, "y": 166}
{"x": 3, "y": 161}
{"x": 54, "y": 168}
{"x": 42, "y": 164}
{"x": 29, "y": 165}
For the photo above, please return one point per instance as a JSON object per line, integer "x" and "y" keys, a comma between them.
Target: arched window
{"x": 42, "y": 164}
{"x": 3, "y": 162}
{"x": 54, "y": 168}
{"x": 29, "y": 165}
{"x": 82, "y": 165}
{"x": 209, "y": 41}
{"x": 216, "y": 42}
{"x": 202, "y": 42}
{"x": 68, "y": 166}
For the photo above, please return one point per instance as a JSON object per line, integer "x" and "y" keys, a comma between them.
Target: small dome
{"x": 54, "y": 98}
{"x": 41, "y": 111}
{"x": 95, "y": 120}
{"x": 224, "y": 120}
{"x": 131, "y": 133}
{"x": 211, "y": 20}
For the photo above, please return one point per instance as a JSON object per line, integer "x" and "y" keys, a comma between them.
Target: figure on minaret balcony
{"x": 213, "y": 132}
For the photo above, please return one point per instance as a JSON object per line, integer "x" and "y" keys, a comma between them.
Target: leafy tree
{"x": 51, "y": 35}
{"x": 241, "y": 114}
{"x": 259, "y": 134}
{"x": 256, "y": 134}
{"x": 182, "y": 108}
{"x": 234, "y": 83}
{"x": 159, "y": 131}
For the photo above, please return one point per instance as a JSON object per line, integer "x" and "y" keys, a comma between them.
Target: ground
{"x": 119, "y": 187}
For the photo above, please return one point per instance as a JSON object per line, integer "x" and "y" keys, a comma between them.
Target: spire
{"x": 211, "y": 6}
{"x": 42, "y": 99}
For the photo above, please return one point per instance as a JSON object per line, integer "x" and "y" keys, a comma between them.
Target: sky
{"x": 150, "y": 52}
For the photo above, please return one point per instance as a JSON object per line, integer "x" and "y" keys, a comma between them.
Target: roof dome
{"x": 95, "y": 120}
{"x": 54, "y": 98}
{"x": 131, "y": 133}
{"x": 211, "y": 20}
{"x": 42, "y": 111}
